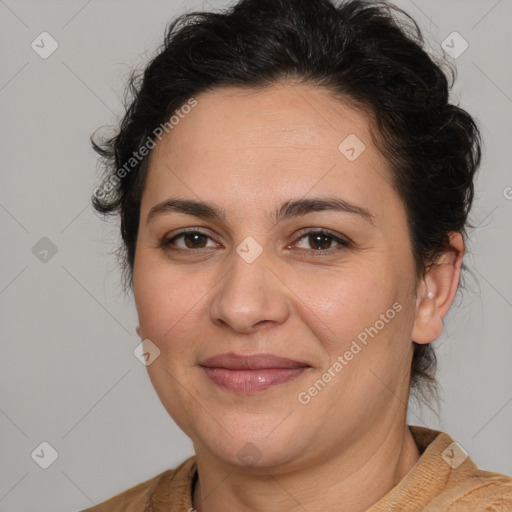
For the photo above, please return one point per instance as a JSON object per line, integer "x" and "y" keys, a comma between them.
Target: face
{"x": 332, "y": 288}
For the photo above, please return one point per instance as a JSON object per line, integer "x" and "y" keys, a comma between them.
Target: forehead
{"x": 260, "y": 144}
{"x": 303, "y": 116}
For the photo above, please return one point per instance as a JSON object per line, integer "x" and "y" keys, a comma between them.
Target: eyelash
{"x": 343, "y": 243}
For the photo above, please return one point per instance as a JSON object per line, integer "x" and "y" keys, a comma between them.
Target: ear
{"x": 436, "y": 292}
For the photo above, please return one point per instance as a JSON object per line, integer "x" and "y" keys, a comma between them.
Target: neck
{"x": 358, "y": 476}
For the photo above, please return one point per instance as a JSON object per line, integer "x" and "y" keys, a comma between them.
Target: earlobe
{"x": 437, "y": 291}
{"x": 428, "y": 323}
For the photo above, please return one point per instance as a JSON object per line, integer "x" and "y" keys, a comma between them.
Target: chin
{"x": 254, "y": 443}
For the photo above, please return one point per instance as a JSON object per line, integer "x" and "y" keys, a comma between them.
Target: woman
{"x": 293, "y": 187}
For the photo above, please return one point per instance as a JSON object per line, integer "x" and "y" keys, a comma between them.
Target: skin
{"x": 248, "y": 151}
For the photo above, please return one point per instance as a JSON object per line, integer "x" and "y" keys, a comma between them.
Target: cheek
{"x": 172, "y": 303}
{"x": 362, "y": 322}
{"x": 159, "y": 295}
{"x": 342, "y": 304}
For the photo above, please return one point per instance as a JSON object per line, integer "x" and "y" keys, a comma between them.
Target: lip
{"x": 232, "y": 361}
{"x": 252, "y": 373}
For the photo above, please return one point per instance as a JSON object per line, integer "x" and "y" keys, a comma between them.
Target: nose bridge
{"x": 249, "y": 294}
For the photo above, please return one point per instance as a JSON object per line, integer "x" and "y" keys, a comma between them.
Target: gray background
{"x": 68, "y": 375}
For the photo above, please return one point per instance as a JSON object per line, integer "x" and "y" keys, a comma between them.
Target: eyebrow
{"x": 289, "y": 209}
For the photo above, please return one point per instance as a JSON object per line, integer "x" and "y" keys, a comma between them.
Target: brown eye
{"x": 321, "y": 241}
{"x": 194, "y": 240}
{"x": 190, "y": 240}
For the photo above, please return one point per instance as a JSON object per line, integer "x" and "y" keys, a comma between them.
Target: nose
{"x": 250, "y": 296}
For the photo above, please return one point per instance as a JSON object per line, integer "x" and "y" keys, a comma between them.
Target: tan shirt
{"x": 444, "y": 479}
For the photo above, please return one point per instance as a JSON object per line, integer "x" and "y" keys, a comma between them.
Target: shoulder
{"x": 483, "y": 491}
{"x": 445, "y": 479}
{"x": 458, "y": 482}
{"x": 140, "y": 497}
{"x": 134, "y": 499}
